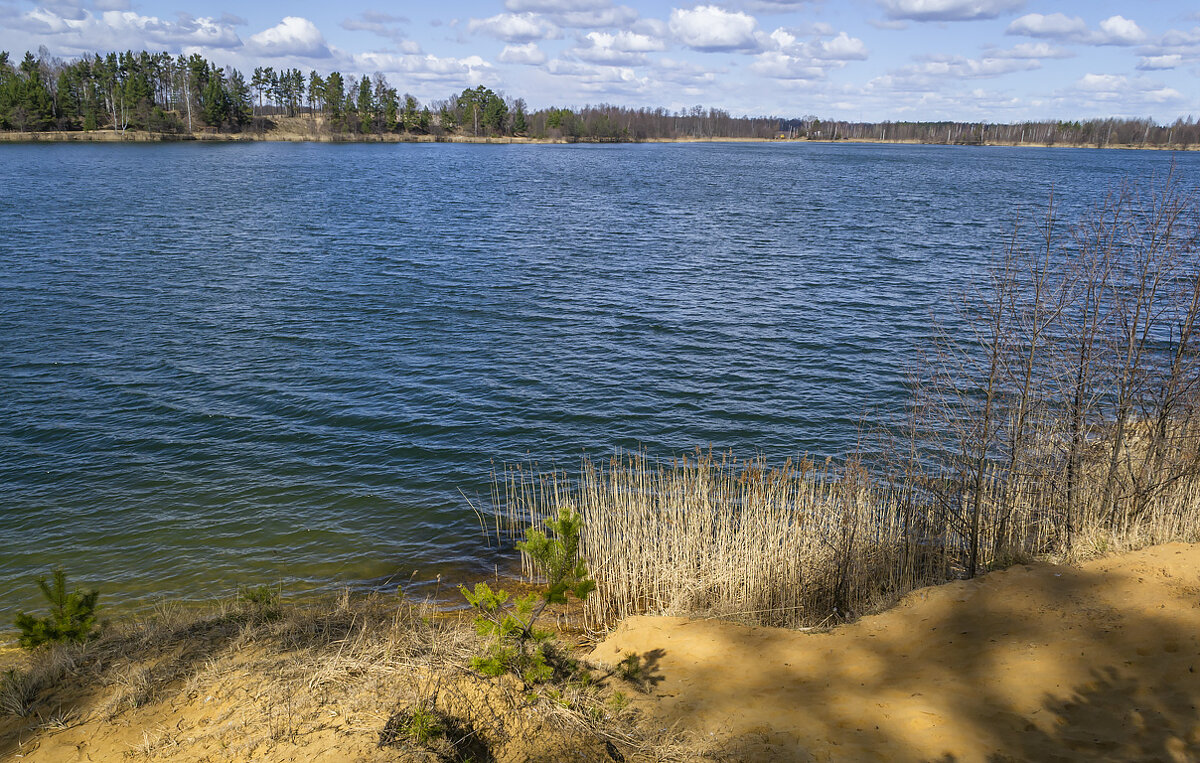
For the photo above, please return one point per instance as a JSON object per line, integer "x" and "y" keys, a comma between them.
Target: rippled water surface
{"x": 225, "y": 364}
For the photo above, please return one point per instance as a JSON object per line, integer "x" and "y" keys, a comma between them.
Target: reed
{"x": 806, "y": 545}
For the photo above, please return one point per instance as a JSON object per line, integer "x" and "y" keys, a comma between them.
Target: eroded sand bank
{"x": 1036, "y": 662}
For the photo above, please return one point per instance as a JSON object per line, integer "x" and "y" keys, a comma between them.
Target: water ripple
{"x": 240, "y": 364}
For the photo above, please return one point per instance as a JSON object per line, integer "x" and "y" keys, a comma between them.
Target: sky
{"x": 970, "y": 60}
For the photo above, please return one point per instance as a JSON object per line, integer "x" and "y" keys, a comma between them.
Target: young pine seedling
{"x": 516, "y": 644}
{"x": 72, "y": 616}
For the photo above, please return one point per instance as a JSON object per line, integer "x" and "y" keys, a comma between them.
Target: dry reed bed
{"x": 801, "y": 545}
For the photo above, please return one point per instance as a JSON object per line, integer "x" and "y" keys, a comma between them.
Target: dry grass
{"x": 802, "y": 545}
{"x": 285, "y": 681}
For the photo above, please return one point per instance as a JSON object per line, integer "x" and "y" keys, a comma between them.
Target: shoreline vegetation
{"x": 141, "y": 136}
{"x": 146, "y": 96}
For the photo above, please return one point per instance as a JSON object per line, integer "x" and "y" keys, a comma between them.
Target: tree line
{"x": 183, "y": 94}
{"x": 159, "y": 92}
{"x": 1181, "y": 133}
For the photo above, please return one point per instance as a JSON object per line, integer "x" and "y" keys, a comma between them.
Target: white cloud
{"x": 957, "y": 67}
{"x": 1173, "y": 50}
{"x": 840, "y": 48}
{"x": 1126, "y": 91}
{"x": 114, "y": 30}
{"x": 1114, "y": 30}
{"x": 948, "y": 10}
{"x": 427, "y": 69}
{"x": 790, "y": 59}
{"x": 1118, "y": 95}
{"x": 631, "y": 41}
{"x": 1031, "y": 50}
{"x": 1102, "y": 82}
{"x": 207, "y": 32}
{"x": 516, "y": 27}
{"x": 600, "y": 79}
{"x": 294, "y": 36}
{"x": 555, "y": 6}
{"x": 383, "y": 25}
{"x": 685, "y": 73}
{"x": 710, "y": 28}
{"x": 529, "y": 54}
{"x": 578, "y": 14}
{"x": 1177, "y": 38}
{"x": 618, "y": 16}
{"x": 1118, "y": 30}
{"x": 934, "y": 72}
{"x": 1157, "y": 63}
{"x": 67, "y": 9}
{"x": 620, "y": 49}
{"x": 1053, "y": 25}
{"x": 778, "y": 65}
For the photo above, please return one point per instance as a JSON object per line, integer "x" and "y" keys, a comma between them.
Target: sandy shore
{"x": 1035, "y": 662}
{"x": 1038, "y": 662}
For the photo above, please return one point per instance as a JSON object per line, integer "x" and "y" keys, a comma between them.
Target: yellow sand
{"x": 1036, "y": 662}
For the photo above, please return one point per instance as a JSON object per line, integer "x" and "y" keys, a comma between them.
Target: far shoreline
{"x": 142, "y": 136}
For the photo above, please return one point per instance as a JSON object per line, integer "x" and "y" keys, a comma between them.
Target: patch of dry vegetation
{"x": 342, "y": 680}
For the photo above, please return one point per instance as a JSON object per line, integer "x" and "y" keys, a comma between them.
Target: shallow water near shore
{"x": 238, "y": 364}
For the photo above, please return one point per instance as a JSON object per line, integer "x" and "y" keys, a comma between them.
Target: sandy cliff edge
{"x": 1036, "y": 662}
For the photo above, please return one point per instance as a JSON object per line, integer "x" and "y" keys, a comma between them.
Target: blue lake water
{"x": 235, "y": 364}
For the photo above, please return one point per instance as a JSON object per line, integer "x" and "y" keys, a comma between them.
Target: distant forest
{"x": 161, "y": 93}
{"x": 1093, "y": 132}
{"x": 185, "y": 94}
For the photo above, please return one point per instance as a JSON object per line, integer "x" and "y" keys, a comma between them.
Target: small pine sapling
{"x": 517, "y": 644}
{"x": 72, "y": 616}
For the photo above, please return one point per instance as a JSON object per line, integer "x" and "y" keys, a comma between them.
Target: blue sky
{"x": 994, "y": 60}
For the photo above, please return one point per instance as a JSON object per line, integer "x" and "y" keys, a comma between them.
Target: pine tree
{"x": 334, "y": 93}
{"x": 365, "y": 105}
{"x": 316, "y": 89}
{"x": 495, "y": 112}
{"x": 241, "y": 110}
{"x": 214, "y": 101}
{"x": 34, "y": 108}
{"x": 520, "y": 124}
{"x": 8, "y": 85}
{"x": 391, "y": 110}
{"x": 258, "y": 82}
{"x": 72, "y": 616}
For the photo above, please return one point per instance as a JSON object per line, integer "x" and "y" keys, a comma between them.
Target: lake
{"x": 226, "y": 364}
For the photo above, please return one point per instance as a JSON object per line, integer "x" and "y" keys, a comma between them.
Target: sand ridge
{"x": 1036, "y": 662}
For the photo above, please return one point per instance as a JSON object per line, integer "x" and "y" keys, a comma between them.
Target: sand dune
{"x": 1036, "y": 662}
